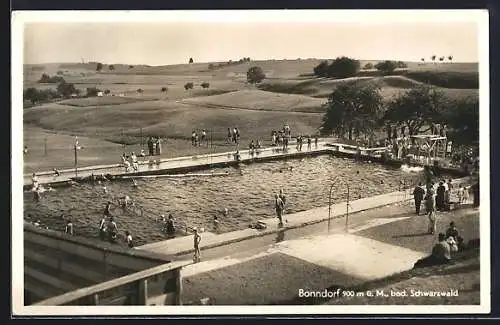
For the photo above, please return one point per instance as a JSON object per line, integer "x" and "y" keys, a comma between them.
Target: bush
{"x": 130, "y": 66}
{"x": 99, "y": 66}
{"x": 386, "y": 67}
{"x": 447, "y": 79}
{"x": 35, "y": 96}
{"x": 51, "y": 80}
{"x": 321, "y": 70}
{"x": 111, "y": 67}
{"x": 164, "y": 89}
{"x": 92, "y": 91}
{"x": 191, "y": 60}
{"x": 139, "y": 91}
{"x": 211, "y": 66}
{"x": 107, "y": 92}
{"x": 205, "y": 85}
{"x": 368, "y": 66}
{"x": 188, "y": 86}
{"x": 255, "y": 75}
{"x": 67, "y": 89}
{"x": 60, "y": 72}
{"x": 343, "y": 67}
{"x": 401, "y": 65}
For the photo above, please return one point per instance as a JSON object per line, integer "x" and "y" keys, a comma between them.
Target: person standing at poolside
{"x": 158, "y": 146}
{"x": 309, "y": 141}
{"x": 279, "y": 207}
{"x": 418, "y": 196}
{"x": 203, "y": 137}
{"x": 430, "y": 208}
{"x": 229, "y": 135}
{"x": 197, "y": 240}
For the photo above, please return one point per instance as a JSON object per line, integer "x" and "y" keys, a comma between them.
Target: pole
{"x": 45, "y": 146}
{"x": 76, "y": 160}
{"x": 330, "y": 205}
{"x": 347, "y": 210}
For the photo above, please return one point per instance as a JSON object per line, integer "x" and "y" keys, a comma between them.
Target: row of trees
{"x": 212, "y": 66}
{"x": 46, "y": 79}
{"x": 344, "y": 67}
{"x": 441, "y": 58}
{"x": 355, "y": 110}
{"x": 190, "y": 85}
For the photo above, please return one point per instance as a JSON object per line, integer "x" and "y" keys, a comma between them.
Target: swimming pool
{"x": 247, "y": 193}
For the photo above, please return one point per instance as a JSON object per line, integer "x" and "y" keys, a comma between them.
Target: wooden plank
{"x": 48, "y": 279}
{"x": 41, "y": 258}
{"x": 113, "y": 284}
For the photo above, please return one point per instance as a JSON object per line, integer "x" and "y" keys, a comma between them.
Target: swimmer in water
{"x": 226, "y": 212}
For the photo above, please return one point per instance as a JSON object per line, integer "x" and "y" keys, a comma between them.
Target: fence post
{"x": 347, "y": 211}
{"x": 178, "y": 281}
{"x": 330, "y": 205}
{"x": 142, "y": 292}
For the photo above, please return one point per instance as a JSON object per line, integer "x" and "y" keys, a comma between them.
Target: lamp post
{"x": 76, "y": 156}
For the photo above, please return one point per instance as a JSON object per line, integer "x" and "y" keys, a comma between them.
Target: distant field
{"x": 289, "y": 94}
{"x": 390, "y": 86}
{"x": 98, "y": 101}
{"x": 262, "y": 100}
{"x": 164, "y": 118}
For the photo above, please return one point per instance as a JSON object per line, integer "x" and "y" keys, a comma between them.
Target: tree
{"x": 401, "y": 65}
{"x": 462, "y": 117}
{"x": 321, "y": 70}
{"x": 99, "y": 66}
{"x": 450, "y": 58}
{"x": 191, "y": 60}
{"x": 441, "y": 59}
{"x": 354, "y": 109}
{"x": 421, "y": 106}
{"x": 188, "y": 86}
{"x": 422, "y": 59}
{"x": 111, "y": 67}
{"x": 164, "y": 89}
{"x": 368, "y": 66}
{"x": 433, "y": 58}
{"x": 67, "y": 89}
{"x": 205, "y": 85}
{"x": 107, "y": 92}
{"x": 60, "y": 72}
{"x": 343, "y": 67}
{"x": 140, "y": 91}
{"x": 130, "y": 66}
{"x": 32, "y": 95}
{"x": 210, "y": 66}
{"x": 386, "y": 67}
{"x": 255, "y": 75}
{"x": 92, "y": 91}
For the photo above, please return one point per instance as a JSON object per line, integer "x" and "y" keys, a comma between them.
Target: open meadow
{"x": 152, "y": 101}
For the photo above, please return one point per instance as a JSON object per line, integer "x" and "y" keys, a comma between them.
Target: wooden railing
{"x": 160, "y": 285}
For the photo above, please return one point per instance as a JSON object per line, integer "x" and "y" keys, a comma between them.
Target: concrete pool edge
{"x": 302, "y": 219}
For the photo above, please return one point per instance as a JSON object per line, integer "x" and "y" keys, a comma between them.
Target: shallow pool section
{"x": 246, "y": 192}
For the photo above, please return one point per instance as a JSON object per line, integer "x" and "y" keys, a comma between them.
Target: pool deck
{"x": 184, "y": 245}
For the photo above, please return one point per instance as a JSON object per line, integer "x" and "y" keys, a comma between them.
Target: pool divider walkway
{"x": 166, "y": 164}
{"x": 184, "y": 245}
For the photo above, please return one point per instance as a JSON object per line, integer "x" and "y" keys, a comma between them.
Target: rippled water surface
{"x": 247, "y": 193}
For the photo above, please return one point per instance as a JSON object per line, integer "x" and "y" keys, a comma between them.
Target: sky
{"x": 174, "y": 42}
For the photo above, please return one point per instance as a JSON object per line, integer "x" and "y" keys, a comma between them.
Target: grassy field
{"x": 288, "y": 95}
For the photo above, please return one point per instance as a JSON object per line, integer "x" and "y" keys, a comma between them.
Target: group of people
{"x": 449, "y": 242}
{"x": 300, "y": 142}
{"x": 437, "y": 198}
{"x": 108, "y": 230}
{"x": 198, "y": 140}
{"x": 233, "y": 135}
{"x": 131, "y": 161}
{"x": 154, "y": 146}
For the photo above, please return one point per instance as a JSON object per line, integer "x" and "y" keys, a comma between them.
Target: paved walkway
{"x": 184, "y": 245}
{"x": 48, "y": 177}
{"x": 371, "y": 250}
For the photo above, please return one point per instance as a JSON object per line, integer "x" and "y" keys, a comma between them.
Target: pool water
{"x": 246, "y": 192}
